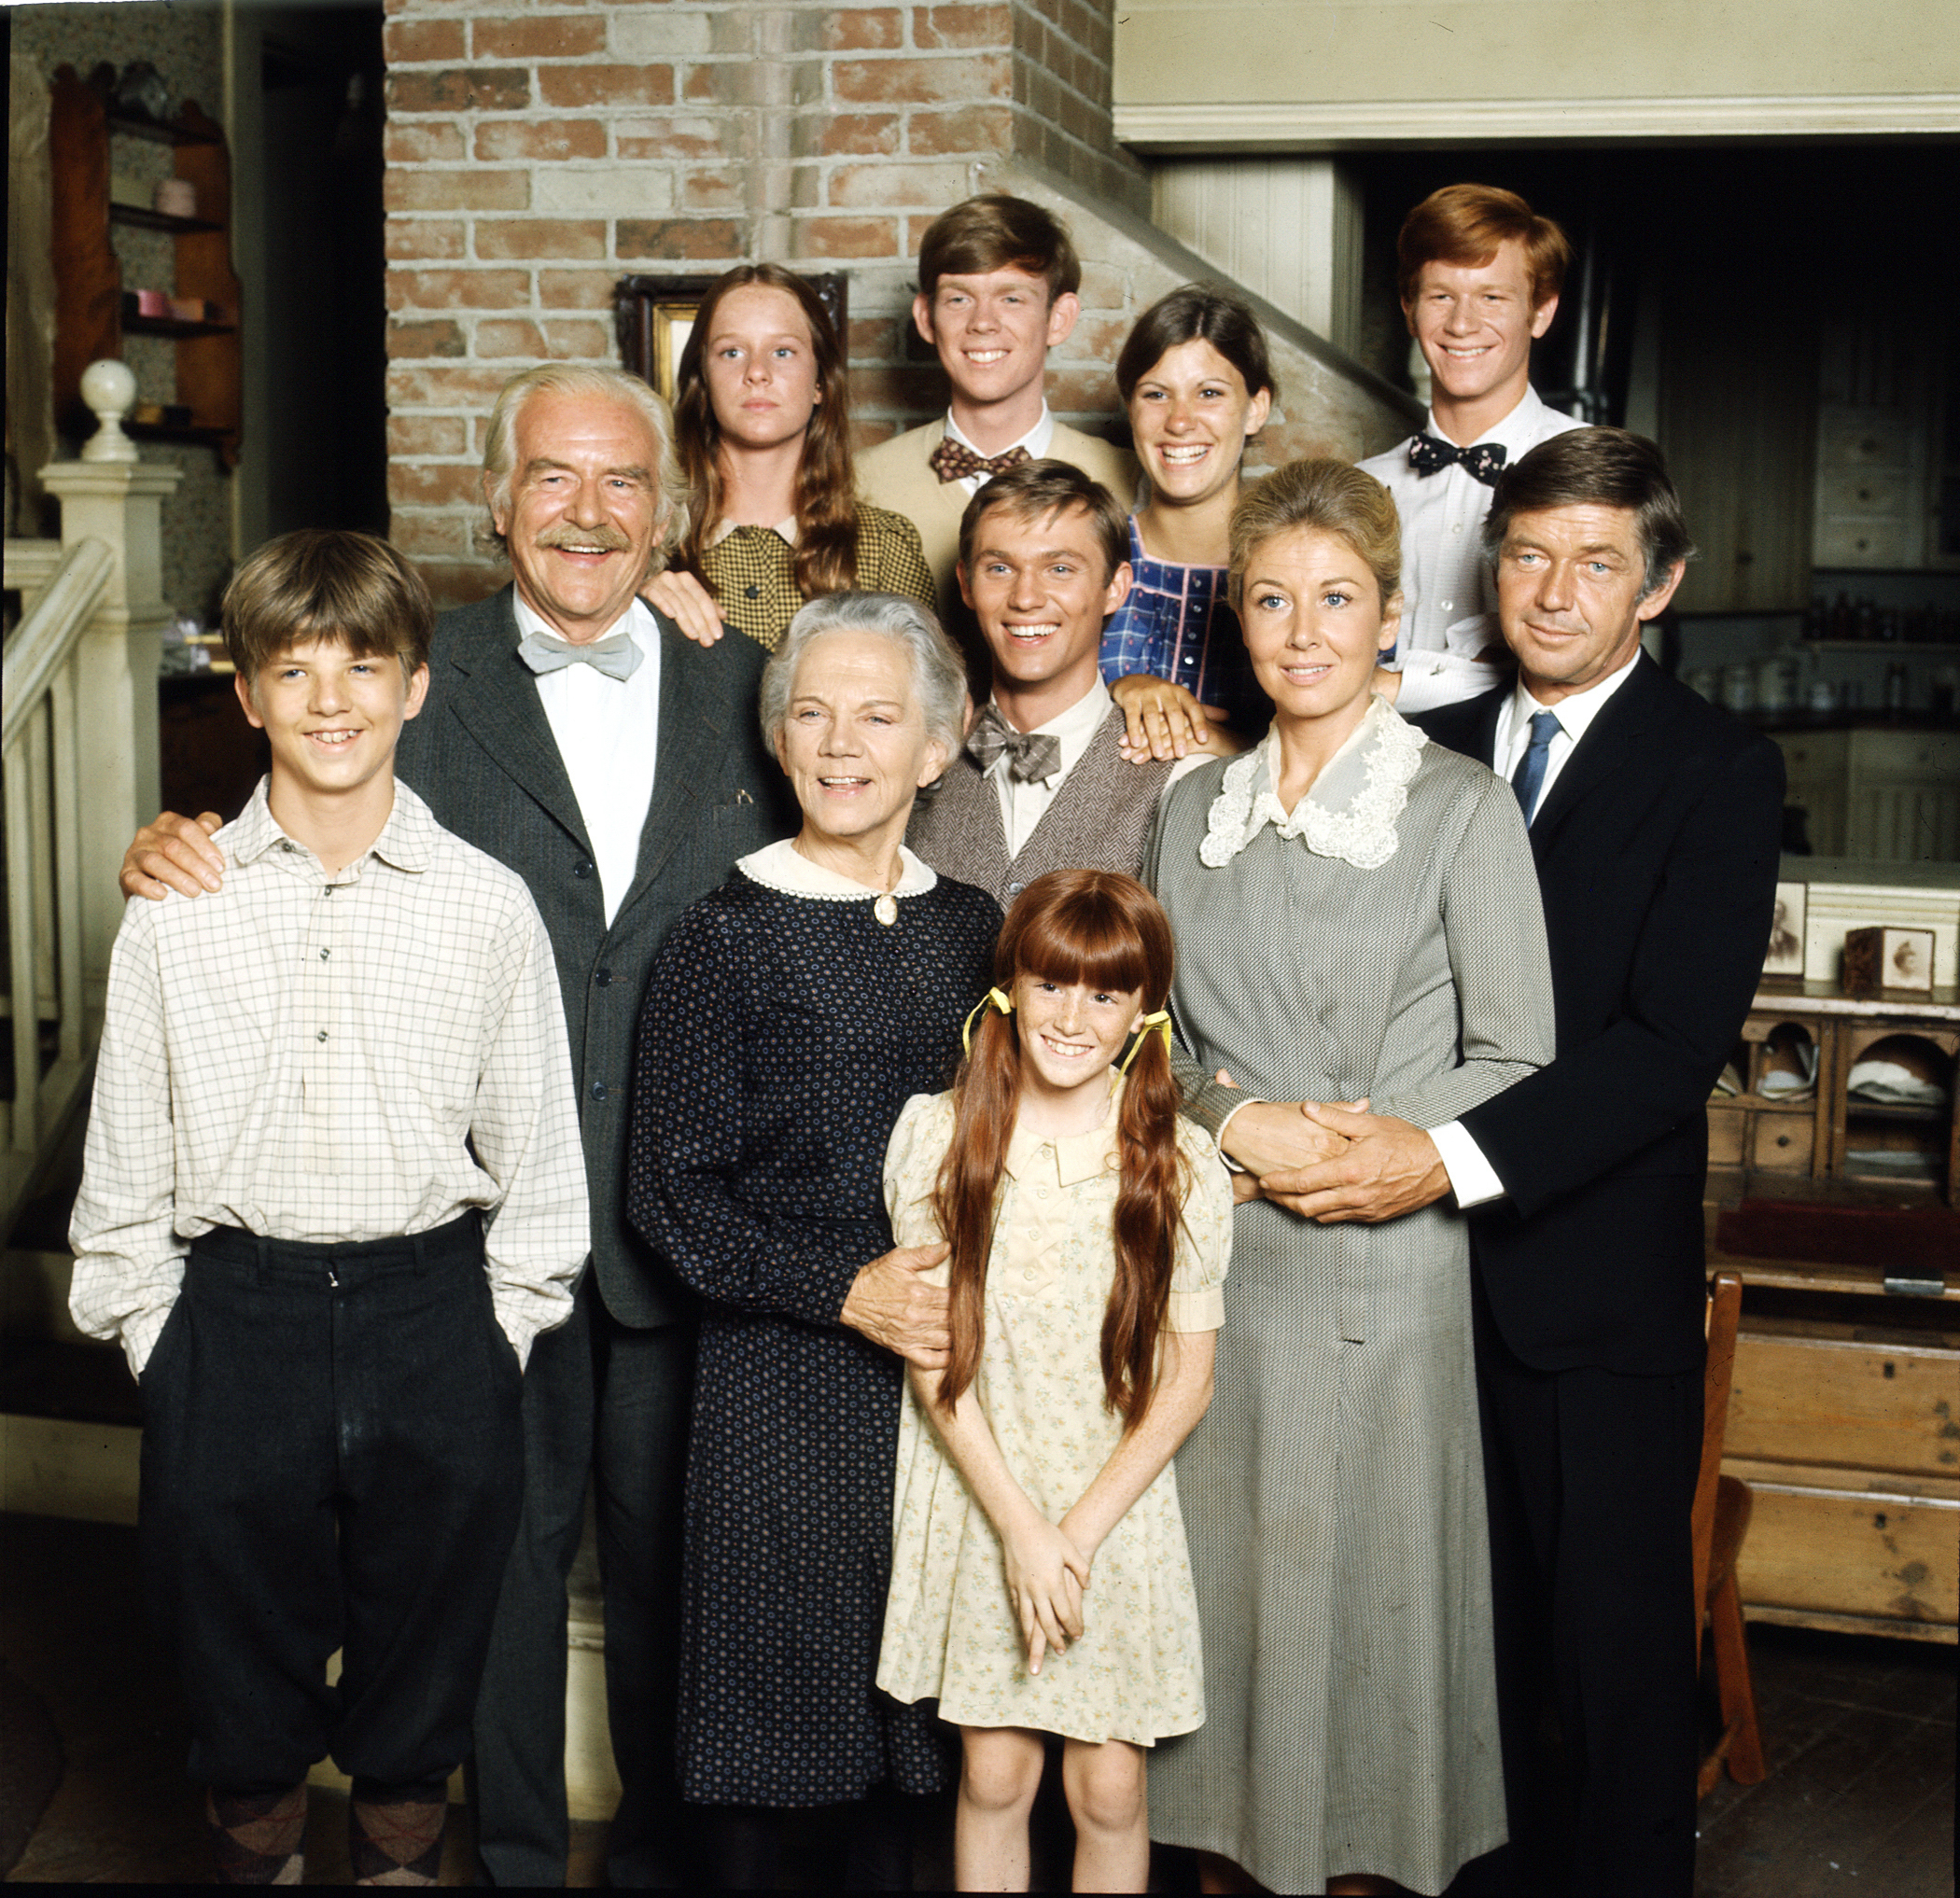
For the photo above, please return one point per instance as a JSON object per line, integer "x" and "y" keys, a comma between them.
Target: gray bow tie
{"x": 1032, "y": 756}
{"x": 616, "y": 655}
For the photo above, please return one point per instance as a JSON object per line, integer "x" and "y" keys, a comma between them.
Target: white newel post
{"x": 118, "y": 502}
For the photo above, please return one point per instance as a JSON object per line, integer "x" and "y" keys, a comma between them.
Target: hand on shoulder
{"x": 173, "y": 853}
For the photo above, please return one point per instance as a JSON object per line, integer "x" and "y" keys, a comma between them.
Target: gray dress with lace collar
{"x": 1382, "y": 939}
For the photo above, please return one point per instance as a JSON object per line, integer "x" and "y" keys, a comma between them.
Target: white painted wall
{"x": 1318, "y": 74}
{"x": 1288, "y": 229}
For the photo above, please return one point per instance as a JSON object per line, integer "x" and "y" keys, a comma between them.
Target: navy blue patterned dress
{"x": 782, "y": 1035}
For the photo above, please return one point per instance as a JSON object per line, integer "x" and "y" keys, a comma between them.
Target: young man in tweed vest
{"x": 1041, "y": 783}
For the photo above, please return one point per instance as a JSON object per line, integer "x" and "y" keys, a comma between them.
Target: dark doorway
{"x": 324, "y": 317}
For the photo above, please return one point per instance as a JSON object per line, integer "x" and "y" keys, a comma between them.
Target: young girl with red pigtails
{"x": 1039, "y": 1582}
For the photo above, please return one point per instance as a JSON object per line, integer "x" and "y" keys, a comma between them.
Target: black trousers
{"x": 1590, "y": 1476}
{"x": 604, "y": 1404}
{"x": 332, "y": 1458}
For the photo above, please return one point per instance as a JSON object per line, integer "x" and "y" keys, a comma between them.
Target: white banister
{"x": 45, "y": 639}
{"x": 79, "y": 737}
{"x": 41, "y": 748}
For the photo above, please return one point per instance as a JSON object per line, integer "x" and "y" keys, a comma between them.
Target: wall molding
{"x": 1335, "y": 125}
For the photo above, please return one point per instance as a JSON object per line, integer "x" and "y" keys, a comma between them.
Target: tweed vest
{"x": 1099, "y": 819}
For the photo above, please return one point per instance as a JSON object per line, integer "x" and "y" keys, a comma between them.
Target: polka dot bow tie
{"x": 1483, "y": 463}
{"x": 954, "y": 461}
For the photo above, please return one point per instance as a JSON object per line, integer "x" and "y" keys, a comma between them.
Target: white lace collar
{"x": 780, "y": 865}
{"x": 1348, "y": 813}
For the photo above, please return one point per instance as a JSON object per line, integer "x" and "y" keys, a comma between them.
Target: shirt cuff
{"x": 1471, "y": 1177}
{"x": 1202, "y": 1311}
{"x": 140, "y": 1333}
{"x": 1218, "y": 1132}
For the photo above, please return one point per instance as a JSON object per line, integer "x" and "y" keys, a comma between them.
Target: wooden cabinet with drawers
{"x": 1845, "y": 1412}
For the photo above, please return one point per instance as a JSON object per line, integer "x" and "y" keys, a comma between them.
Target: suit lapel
{"x": 694, "y": 735}
{"x": 1609, "y": 741}
{"x": 1487, "y": 717}
{"x": 496, "y": 699}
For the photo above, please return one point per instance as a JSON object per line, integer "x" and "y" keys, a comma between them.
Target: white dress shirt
{"x": 607, "y": 731}
{"x": 1472, "y": 1178}
{"x": 1037, "y": 442}
{"x": 1447, "y": 585}
{"x": 327, "y": 1058}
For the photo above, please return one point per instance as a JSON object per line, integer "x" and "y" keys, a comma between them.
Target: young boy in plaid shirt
{"x": 333, "y": 1188}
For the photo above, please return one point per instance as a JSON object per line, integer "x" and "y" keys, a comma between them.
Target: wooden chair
{"x": 1721, "y": 1520}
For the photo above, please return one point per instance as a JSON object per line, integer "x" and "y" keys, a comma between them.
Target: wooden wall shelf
{"x": 145, "y": 219}
{"x": 185, "y": 130}
{"x": 89, "y": 325}
{"x": 175, "y": 325}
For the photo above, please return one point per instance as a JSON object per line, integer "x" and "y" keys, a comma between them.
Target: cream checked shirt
{"x": 305, "y": 1056}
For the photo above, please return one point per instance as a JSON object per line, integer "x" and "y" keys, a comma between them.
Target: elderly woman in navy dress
{"x": 791, "y": 1015}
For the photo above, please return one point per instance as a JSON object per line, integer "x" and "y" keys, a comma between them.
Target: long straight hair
{"x": 826, "y": 484}
{"x": 1106, "y": 931}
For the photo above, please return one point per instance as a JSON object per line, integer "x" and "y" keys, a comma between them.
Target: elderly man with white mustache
{"x": 572, "y": 733}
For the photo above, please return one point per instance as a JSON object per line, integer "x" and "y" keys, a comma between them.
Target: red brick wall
{"x": 539, "y": 150}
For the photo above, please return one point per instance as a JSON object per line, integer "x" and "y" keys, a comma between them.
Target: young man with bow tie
{"x": 1041, "y": 783}
{"x": 997, "y": 278}
{"x": 1480, "y": 280}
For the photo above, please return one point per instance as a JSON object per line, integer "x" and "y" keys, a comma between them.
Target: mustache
{"x": 608, "y": 539}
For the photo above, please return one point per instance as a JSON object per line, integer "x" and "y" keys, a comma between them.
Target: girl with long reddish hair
{"x": 762, "y": 420}
{"x": 1039, "y": 1582}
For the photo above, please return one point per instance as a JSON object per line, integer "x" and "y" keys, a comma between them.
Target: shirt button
{"x": 604, "y": 978}
{"x": 581, "y": 868}
{"x": 325, "y": 953}
{"x": 599, "y": 1090}
{"x": 1015, "y": 888}
{"x": 1028, "y": 1272}
{"x": 751, "y": 592}
{"x": 1039, "y": 1192}
{"x": 1458, "y": 528}
{"x": 1446, "y": 605}
{"x": 321, "y": 1036}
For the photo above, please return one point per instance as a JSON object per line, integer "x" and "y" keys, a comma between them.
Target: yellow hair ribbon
{"x": 1003, "y": 1002}
{"x": 1157, "y": 1018}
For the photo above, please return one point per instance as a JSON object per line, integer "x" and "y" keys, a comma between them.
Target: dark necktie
{"x": 616, "y": 655}
{"x": 954, "y": 461}
{"x": 1031, "y": 756}
{"x": 1482, "y": 463}
{"x": 1530, "y": 767}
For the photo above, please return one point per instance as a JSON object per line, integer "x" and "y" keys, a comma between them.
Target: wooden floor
{"x": 1860, "y": 1734}
{"x": 1860, "y": 1792}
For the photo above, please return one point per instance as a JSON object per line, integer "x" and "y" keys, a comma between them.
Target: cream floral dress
{"x": 1137, "y": 1674}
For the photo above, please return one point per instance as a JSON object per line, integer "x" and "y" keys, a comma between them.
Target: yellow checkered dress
{"x": 751, "y": 572}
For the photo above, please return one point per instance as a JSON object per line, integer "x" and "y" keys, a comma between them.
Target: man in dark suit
{"x": 1655, "y": 821}
{"x": 573, "y": 733}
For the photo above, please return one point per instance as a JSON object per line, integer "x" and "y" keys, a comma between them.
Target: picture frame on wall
{"x": 1785, "y": 955}
{"x": 654, "y": 315}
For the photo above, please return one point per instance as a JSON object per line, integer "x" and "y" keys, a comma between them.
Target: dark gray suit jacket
{"x": 484, "y": 756}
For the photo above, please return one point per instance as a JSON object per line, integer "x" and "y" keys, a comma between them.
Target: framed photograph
{"x": 653, "y": 316}
{"x": 1785, "y": 955}
{"x": 1877, "y": 959}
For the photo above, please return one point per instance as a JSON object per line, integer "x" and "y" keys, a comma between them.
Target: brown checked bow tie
{"x": 954, "y": 461}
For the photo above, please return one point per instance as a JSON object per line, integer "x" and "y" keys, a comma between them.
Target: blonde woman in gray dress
{"x": 1357, "y": 917}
